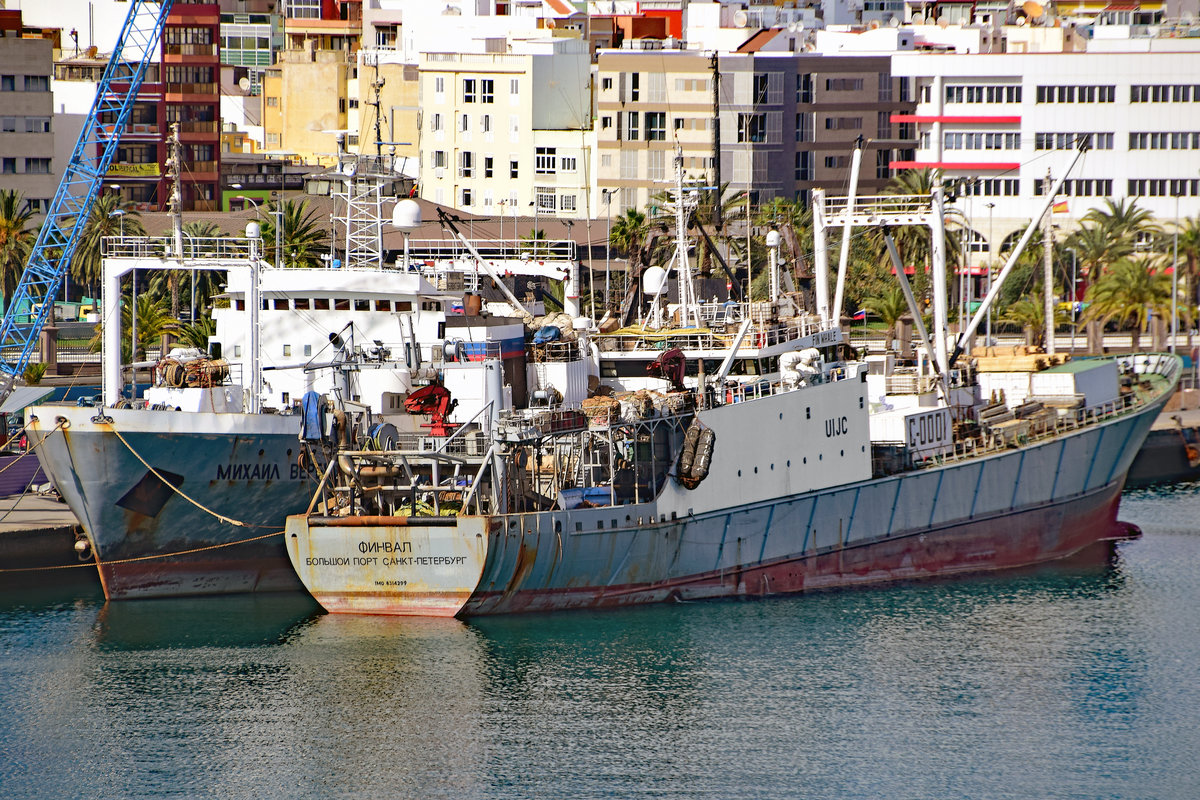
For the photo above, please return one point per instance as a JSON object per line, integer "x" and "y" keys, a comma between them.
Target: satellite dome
{"x": 653, "y": 280}
{"x": 407, "y": 215}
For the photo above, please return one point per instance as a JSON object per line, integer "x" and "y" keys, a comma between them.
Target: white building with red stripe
{"x": 1002, "y": 122}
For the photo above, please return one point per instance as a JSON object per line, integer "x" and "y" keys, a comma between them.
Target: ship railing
{"x": 693, "y": 339}
{"x": 194, "y": 247}
{"x": 881, "y": 205}
{"x": 1072, "y": 420}
{"x": 423, "y": 250}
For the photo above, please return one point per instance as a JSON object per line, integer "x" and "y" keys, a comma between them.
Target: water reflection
{"x": 1067, "y": 681}
{"x": 243, "y": 620}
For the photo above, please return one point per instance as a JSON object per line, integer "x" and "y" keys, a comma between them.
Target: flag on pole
{"x": 860, "y": 314}
{"x": 1061, "y": 207}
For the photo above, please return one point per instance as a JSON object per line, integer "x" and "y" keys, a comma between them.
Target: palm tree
{"x": 1123, "y": 219}
{"x": 169, "y": 282}
{"x": 1129, "y": 293}
{"x": 1189, "y": 250}
{"x": 304, "y": 239}
{"x": 16, "y": 240}
{"x": 197, "y": 334}
{"x": 101, "y": 222}
{"x": 1030, "y": 314}
{"x": 628, "y": 234}
{"x": 890, "y": 306}
{"x": 1096, "y": 248}
{"x": 152, "y": 322}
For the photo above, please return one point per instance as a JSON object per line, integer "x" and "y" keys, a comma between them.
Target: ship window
{"x": 341, "y": 304}
{"x": 321, "y": 304}
{"x": 402, "y": 305}
{"x": 265, "y": 305}
{"x": 578, "y": 527}
{"x": 287, "y": 350}
{"x": 237, "y": 351}
{"x": 308, "y": 349}
{"x": 301, "y": 304}
{"x": 614, "y": 525}
{"x": 558, "y": 526}
{"x": 240, "y": 305}
{"x": 280, "y": 305}
{"x": 599, "y": 524}
{"x": 383, "y": 305}
{"x": 362, "y": 305}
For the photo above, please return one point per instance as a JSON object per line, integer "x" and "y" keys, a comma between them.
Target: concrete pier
{"x": 37, "y": 543}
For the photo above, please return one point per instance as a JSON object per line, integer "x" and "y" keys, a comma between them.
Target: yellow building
{"x": 307, "y": 102}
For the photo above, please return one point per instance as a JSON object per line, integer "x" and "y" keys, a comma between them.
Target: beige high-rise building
{"x": 26, "y": 107}
{"x": 509, "y": 133}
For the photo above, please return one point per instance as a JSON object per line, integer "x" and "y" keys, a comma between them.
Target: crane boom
{"x": 50, "y": 257}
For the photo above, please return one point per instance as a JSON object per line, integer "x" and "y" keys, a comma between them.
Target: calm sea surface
{"x": 1064, "y": 683}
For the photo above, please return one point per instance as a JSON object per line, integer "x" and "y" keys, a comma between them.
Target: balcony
{"x": 211, "y": 126}
{"x": 190, "y": 88}
{"x": 190, "y": 49}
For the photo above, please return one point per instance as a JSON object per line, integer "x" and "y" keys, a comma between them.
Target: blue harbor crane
{"x": 82, "y": 179}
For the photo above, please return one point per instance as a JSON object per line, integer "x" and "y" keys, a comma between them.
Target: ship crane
{"x": 435, "y": 401}
{"x": 68, "y": 213}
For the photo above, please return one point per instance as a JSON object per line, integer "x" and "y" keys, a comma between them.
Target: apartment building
{"x": 996, "y": 126}
{"x": 509, "y": 132}
{"x": 788, "y": 122}
{"x": 26, "y": 137}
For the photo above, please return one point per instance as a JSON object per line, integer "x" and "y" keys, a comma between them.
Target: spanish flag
{"x": 1060, "y": 207}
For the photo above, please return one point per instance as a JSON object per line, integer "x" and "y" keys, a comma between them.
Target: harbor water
{"x": 1079, "y": 681}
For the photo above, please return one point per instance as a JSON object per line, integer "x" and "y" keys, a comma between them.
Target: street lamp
{"x": 991, "y": 255}
{"x": 608, "y": 193}
{"x": 277, "y": 213}
{"x": 1074, "y": 294}
{"x": 1175, "y": 277}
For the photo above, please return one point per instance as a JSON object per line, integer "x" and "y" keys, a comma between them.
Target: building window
{"x": 466, "y": 163}
{"x": 883, "y": 125}
{"x": 567, "y": 202}
{"x": 465, "y": 123}
{"x": 605, "y": 84}
{"x": 752, "y": 127}
{"x": 843, "y": 84}
{"x": 487, "y": 90}
{"x": 545, "y": 198}
{"x": 1068, "y": 141}
{"x": 466, "y": 197}
{"x": 37, "y": 83}
{"x": 468, "y": 90}
{"x": 631, "y": 119}
{"x": 439, "y": 159}
{"x": 656, "y": 126}
{"x": 759, "y": 89}
{"x": 885, "y": 87}
{"x": 843, "y": 123}
{"x": 804, "y": 88}
{"x": 488, "y": 161}
{"x": 8, "y": 124}
{"x": 485, "y": 123}
{"x": 981, "y": 141}
{"x": 514, "y": 84}
{"x": 512, "y": 168}
{"x": 546, "y": 160}
{"x": 804, "y": 167}
{"x": 8, "y": 166}
{"x": 439, "y": 87}
{"x": 567, "y": 164}
{"x": 634, "y": 81}
{"x": 804, "y": 127}
{"x": 656, "y": 165}
{"x": 435, "y": 121}
{"x": 629, "y": 164}
{"x": 606, "y": 122}
{"x": 37, "y": 166}
{"x": 1077, "y": 94}
{"x": 272, "y": 102}
{"x": 8, "y": 83}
